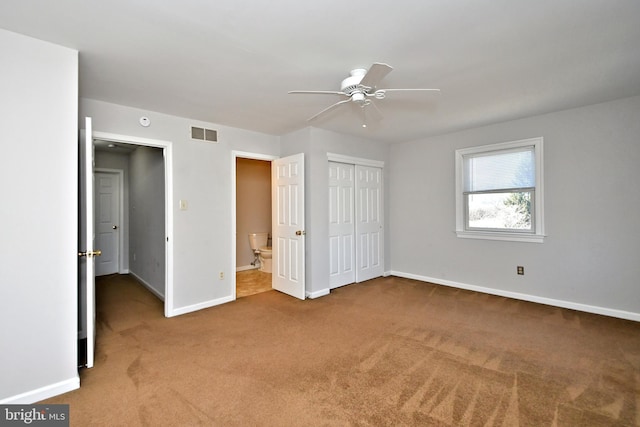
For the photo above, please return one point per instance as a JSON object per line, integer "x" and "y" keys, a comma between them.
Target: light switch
{"x": 183, "y": 205}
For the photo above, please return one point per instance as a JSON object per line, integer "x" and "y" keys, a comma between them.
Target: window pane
{"x": 499, "y": 171}
{"x": 500, "y": 211}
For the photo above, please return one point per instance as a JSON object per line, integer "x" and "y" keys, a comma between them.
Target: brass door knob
{"x": 300, "y": 233}
{"x": 90, "y": 254}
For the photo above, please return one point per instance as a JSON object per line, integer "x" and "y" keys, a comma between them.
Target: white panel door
{"x": 86, "y": 251}
{"x": 107, "y": 227}
{"x": 341, "y": 224}
{"x": 288, "y": 234}
{"x": 369, "y": 220}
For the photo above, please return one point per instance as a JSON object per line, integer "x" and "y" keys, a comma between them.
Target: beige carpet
{"x": 388, "y": 352}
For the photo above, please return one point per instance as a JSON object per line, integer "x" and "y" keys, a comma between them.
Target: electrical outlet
{"x": 222, "y": 275}
{"x": 520, "y": 270}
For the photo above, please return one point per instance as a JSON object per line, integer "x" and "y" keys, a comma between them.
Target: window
{"x": 499, "y": 191}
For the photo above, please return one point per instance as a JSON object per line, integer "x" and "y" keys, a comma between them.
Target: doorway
{"x": 86, "y": 286}
{"x": 253, "y": 215}
{"x": 288, "y": 222}
{"x": 130, "y": 212}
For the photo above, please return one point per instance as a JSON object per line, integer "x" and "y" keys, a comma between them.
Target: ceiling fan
{"x": 361, "y": 88}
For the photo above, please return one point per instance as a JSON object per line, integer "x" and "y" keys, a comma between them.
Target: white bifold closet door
{"x": 355, "y": 223}
{"x": 369, "y": 223}
{"x": 341, "y": 224}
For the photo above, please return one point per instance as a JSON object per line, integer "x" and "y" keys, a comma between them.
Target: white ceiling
{"x": 231, "y": 62}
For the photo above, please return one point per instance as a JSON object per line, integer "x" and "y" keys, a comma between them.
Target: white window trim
{"x": 538, "y": 235}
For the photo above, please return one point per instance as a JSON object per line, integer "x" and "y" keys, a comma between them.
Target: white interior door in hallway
{"x": 107, "y": 221}
{"x": 355, "y": 223}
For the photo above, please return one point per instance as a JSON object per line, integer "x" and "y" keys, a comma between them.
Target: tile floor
{"x": 250, "y": 282}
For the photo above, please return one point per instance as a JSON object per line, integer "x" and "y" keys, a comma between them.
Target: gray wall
{"x": 147, "y": 218}
{"x": 253, "y": 205}
{"x": 39, "y": 244}
{"x": 589, "y": 259}
{"x": 316, "y": 143}
{"x": 202, "y": 235}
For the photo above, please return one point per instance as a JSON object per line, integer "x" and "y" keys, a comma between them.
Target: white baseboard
{"x": 318, "y": 294}
{"x": 621, "y": 314}
{"x": 148, "y": 286}
{"x": 43, "y": 393}
{"x": 246, "y": 267}
{"x": 200, "y": 306}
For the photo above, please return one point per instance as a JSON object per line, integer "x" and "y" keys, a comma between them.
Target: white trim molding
{"x": 621, "y": 314}
{"x": 235, "y": 154}
{"x": 537, "y": 235}
{"x": 148, "y": 286}
{"x": 167, "y": 147}
{"x": 43, "y": 393}
{"x": 202, "y": 305}
{"x": 512, "y": 237}
{"x": 318, "y": 294}
{"x": 340, "y": 158}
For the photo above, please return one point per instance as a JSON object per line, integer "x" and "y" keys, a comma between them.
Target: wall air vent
{"x": 202, "y": 134}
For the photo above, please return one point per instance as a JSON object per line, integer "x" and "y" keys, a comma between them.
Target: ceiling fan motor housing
{"x": 351, "y": 85}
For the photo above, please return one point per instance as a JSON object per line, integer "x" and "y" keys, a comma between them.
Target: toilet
{"x": 258, "y": 243}
{"x": 265, "y": 259}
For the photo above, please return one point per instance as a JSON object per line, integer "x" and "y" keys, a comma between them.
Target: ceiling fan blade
{"x": 372, "y": 111}
{"x": 321, "y": 92}
{"x": 381, "y": 93}
{"x": 331, "y": 107}
{"x": 376, "y": 72}
{"x": 406, "y": 90}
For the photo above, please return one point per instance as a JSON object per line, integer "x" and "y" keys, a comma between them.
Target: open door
{"x": 87, "y": 252}
{"x": 288, "y": 234}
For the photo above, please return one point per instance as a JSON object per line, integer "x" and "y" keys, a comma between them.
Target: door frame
{"x": 167, "y": 150}
{"x": 120, "y": 174}
{"x": 234, "y": 156}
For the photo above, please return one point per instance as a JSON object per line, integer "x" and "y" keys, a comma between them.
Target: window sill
{"x": 512, "y": 237}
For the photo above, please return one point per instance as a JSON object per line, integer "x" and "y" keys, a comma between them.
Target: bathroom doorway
{"x": 253, "y": 209}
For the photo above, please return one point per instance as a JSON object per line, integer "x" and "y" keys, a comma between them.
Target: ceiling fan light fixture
{"x": 358, "y": 97}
